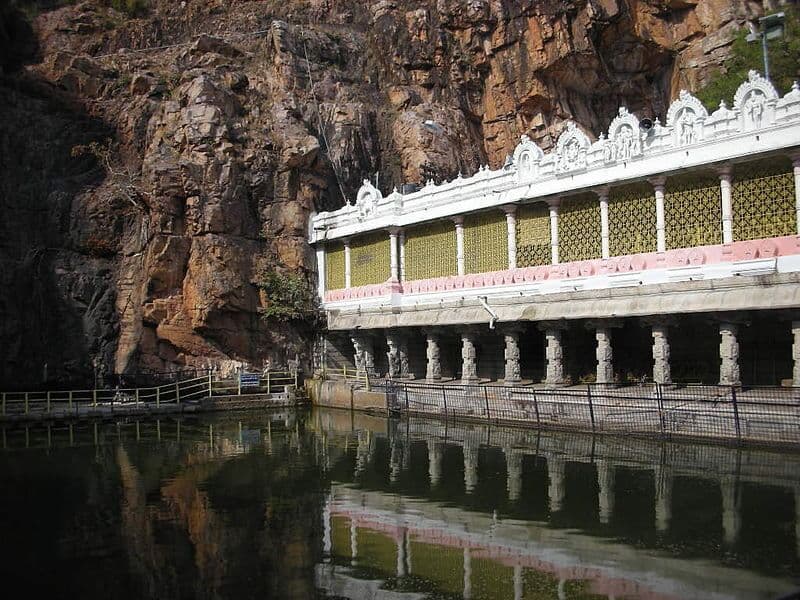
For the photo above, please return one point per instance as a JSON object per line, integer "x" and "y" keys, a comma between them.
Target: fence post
{"x": 444, "y": 398}
{"x": 736, "y": 413}
{"x": 136, "y": 392}
{"x": 210, "y": 381}
{"x": 158, "y": 396}
{"x": 177, "y": 393}
{"x": 591, "y": 407}
{"x": 69, "y": 401}
{"x": 26, "y": 403}
{"x": 366, "y": 379}
{"x": 295, "y": 379}
{"x": 4, "y": 404}
{"x": 48, "y": 403}
{"x": 536, "y": 406}
{"x": 405, "y": 387}
{"x": 344, "y": 371}
{"x": 94, "y": 398}
{"x": 268, "y": 385}
{"x": 660, "y": 400}
{"x": 486, "y": 400}
{"x": 239, "y": 385}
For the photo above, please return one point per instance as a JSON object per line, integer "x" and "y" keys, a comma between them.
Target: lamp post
{"x": 770, "y": 27}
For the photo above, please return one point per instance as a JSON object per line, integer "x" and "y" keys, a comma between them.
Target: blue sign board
{"x": 249, "y": 379}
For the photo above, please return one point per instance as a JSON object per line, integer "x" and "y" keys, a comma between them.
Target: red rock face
{"x": 223, "y": 144}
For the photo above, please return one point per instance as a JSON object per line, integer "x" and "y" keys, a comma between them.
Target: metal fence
{"x": 758, "y": 414}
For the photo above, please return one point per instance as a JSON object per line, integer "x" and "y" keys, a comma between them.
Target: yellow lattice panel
{"x": 692, "y": 211}
{"x": 579, "y": 228}
{"x": 632, "y": 220}
{"x": 430, "y": 251}
{"x": 763, "y": 200}
{"x": 369, "y": 259}
{"x": 485, "y": 242}
{"x": 533, "y": 235}
{"x": 334, "y": 266}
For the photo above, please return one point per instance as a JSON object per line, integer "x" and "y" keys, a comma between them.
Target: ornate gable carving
{"x": 571, "y": 149}
{"x": 526, "y": 158}
{"x": 754, "y": 100}
{"x": 624, "y": 137}
{"x": 686, "y": 116}
{"x": 367, "y": 199}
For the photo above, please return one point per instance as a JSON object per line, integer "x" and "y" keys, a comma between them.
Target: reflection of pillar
{"x": 513, "y": 473}
{"x": 467, "y": 574}
{"x": 555, "y": 357}
{"x": 605, "y": 497}
{"x": 362, "y": 452}
{"x": 512, "y": 355}
{"x": 326, "y": 527}
{"x": 353, "y": 541}
{"x": 434, "y": 462}
{"x": 469, "y": 358}
{"x": 395, "y": 460}
{"x": 562, "y": 589}
{"x": 663, "y": 509}
{"x": 470, "y": 467}
{"x": 797, "y": 518}
{"x": 605, "y": 355}
{"x": 661, "y": 367}
{"x": 434, "y": 371}
{"x": 731, "y": 517}
{"x": 401, "y": 552}
{"x": 555, "y": 474}
{"x": 729, "y": 354}
{"x": 519, "y": 591}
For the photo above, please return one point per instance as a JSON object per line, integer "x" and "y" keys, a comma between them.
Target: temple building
{"x": 660, "y": 252}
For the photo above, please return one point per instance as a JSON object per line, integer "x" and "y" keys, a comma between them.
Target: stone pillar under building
{"x": 405, "y": 359}
{"x": 554, "y": 353}
{"x": 605, "y": 355}
{"x": 555, "y": 489}
{"x": 393, "y": 355}
{"x": 796, "y": 353}
{"x": 433, "y": 353}
{"x": 661, "y": 367}
{"x": 364, "y": 353}
{"x": 605, "y": 496}
{"x": 469, "y": 358}
{"x": 729, "y": 355}
{"x": 512, "y": 356}
{"x": 470, "y": 452}
{"x": 513, "y": 473}
{"x": 434, "y": 462}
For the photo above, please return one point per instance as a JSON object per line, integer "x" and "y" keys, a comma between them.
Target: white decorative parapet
{"x": 759, "y": 122}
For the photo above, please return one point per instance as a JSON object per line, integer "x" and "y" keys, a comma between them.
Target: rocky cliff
{"x": 155, "y": 164}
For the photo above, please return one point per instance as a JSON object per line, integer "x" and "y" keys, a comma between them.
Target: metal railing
{"x": 345, "y": 374}
{"x": 73, "y": 402}
{"x": 760, "y": 414}
{"x": 267, "y": 382}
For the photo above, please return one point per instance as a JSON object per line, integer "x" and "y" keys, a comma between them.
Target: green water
{"x": 333, "y": 505}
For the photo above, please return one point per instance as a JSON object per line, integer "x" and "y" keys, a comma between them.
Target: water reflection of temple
{"x": 491, "y": 512}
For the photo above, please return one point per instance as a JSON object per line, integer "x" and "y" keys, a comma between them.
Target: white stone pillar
{"x": 512, "y": 356}
{"x": 602, "y": 194}
{"x": 511, "y": 229}
{"x": 554, "y": 353}
{"x": 605, "y": 496}
{"x": 796, "y": 353}
{"x": 555, "y": 489}
{"x": 433, "y": 353}
{"x": 394, "y": 261}
{"x": 347, "y": 272}
{"x": 321, "y": 271}
{"x": 470, "y": 452}
{"x": 553, "y": 205}
{"x": 661, "y": 367}
{"x": 434, "y": 462}
{"x": 402, "y": 242}
{"x": 796, "y": 168}
{"x": 731, "y": 516}
{"x": 469, "y": 358}
{"x": 659, "y": 187}
{"x": 663, "y": 508}
{"x": 729, "y": 354}
{"x": 461, "y": 265}
{"x": 513, "y": 473}
{"x": 605, "y": 355}
{"x": 725, "y": 178}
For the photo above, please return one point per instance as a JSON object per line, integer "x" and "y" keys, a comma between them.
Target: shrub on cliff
{"x": 287, "y": 296}
{"x": 784, "y": 64}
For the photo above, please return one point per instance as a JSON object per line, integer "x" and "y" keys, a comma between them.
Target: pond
{"x": 329, "y": 504}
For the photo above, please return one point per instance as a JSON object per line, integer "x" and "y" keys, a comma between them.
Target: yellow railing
{"x": 345, "y": 374}
{"x": 267, "y": 382}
